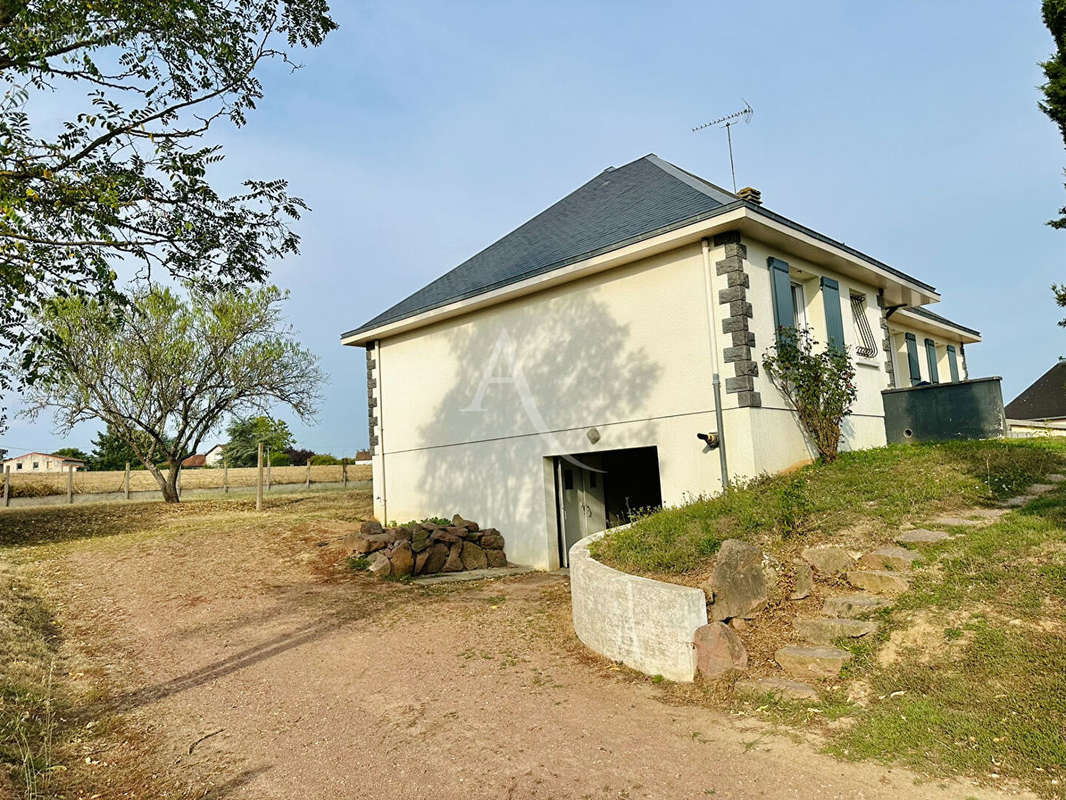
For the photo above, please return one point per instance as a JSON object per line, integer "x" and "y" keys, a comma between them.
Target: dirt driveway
{"x": 313, "y": 683}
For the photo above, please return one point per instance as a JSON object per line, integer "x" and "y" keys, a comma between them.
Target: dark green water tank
{"x": 935, "y": 412}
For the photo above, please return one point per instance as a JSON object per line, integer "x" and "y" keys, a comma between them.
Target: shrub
{"x": 324, "y": 460}
{"x": 819, "y": 385}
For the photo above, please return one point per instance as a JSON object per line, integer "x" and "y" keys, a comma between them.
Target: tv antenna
{"x": 727, "y": 122}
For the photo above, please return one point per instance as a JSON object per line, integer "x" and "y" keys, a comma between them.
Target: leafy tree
{"x": 71, "y": 452}
{"x": 324, "y": 460}
{"x": 1054, "y": 103}
{"x": 245, "y": 435}
{"x": 820, "y": 385}
{"x": 163, "y": 375}
{"x": 298, "y": 457}
{"x": 125, "y": 175}
{"x": 112, "y": 452}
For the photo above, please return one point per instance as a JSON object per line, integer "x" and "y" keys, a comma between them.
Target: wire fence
{"x": 55, "y": 483}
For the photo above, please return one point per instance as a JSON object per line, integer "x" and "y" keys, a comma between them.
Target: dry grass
{"x": 142, "y": 480}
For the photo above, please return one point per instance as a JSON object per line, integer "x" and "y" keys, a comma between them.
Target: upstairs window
{"x": 799, "y": 305}
{"x": 868, "y": 348}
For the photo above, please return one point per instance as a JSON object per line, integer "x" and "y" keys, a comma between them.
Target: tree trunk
{"x": 168, "y": 484}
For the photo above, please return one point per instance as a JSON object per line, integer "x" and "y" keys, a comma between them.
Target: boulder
{"x": 457, "y": 532}
{"x": 403, "y": 560}
{"x": 824, "y": 630}
{"x": 459, "y": 522}
{"x": 491, "y": 539}
{"x": 429, "y": 527}
{"x": 454, "y": 561}
{"x": 739, "y": 584}
{"x": 420, "y": 540}
{"x": 446, "y": 535}
{"x": 371, "y": 526}
{"x": 473, "y": 556}
{"x": 921, "y": 536}
{"x": 363, "y": 543}
{"x": 853, "y": 606}
{"x": 819, "y": 661}
{"x": 803, "y": 580}
{"x": 718, "y": 650}
{"x": 397, "y": 534}
{"x": 879, "y": 581}
{"x": 891, "y": 557}
{"x": 782, "y": 687}
{"x": 828, "y": 559}
{"x": 496, "y": 558}
{"x": 438, "y": 554}
{"x": 380, "y": 565}
{"x": 420, "y": 562}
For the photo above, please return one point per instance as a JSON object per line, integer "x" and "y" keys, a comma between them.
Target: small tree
{"x": 245, "y": 436}
{"x": 820, "y": 385}
{"x": 164, "y": 372}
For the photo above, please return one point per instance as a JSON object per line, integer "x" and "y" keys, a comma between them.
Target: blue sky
{"x": 421, "y": 133}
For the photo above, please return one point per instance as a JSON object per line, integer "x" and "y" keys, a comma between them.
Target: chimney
{"x": 751, "y": 195}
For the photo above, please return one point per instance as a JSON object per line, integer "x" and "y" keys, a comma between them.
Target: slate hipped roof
{"x": 921, "y": 311}
{"x": 618, "y": 207}
{"x": 1045, "y": 399}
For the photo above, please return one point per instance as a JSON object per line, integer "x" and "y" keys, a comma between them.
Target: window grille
{"x": 868, "y": 348}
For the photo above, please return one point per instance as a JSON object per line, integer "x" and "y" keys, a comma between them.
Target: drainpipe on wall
{"x": 712, "y": 341}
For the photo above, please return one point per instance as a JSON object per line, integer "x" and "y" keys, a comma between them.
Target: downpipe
{"x": 712, "y": 342}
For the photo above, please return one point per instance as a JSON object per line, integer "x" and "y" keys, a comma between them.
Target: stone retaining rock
{"x": 921, "y": 536}
{"x": 803, "y": 580}
{"x": 425, "y": 548}
{"x": 879, "y": 581}
{"x": 740, "y": 583}
{"x": 890, "y": 557}
{"x": 819, "y": 661}
{"x": 853, "y": 606}
{"x": 828, "y": 559}
{"x": 824, "y": 630}
{"x": 718, "y": 650}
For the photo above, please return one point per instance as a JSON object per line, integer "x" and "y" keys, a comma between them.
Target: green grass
{"x": 883, "y": 487}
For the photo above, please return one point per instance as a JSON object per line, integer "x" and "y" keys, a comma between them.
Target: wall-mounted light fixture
{"x": 710, "y": 439}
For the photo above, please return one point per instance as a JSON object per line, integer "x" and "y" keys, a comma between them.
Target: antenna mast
{"x": 727, "y": 122}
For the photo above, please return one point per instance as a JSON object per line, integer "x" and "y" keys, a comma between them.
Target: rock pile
{"x": 424, "y": 548}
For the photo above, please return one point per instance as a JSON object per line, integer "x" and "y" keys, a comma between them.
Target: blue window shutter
{"x": 912, "y": 358}
{"x": 930, "y": 355}
{"x": 834, "y": 322}
{"x": 953, "y": 364}
{"x": 781, "y": 291}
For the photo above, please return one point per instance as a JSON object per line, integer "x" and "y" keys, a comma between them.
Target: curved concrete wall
{"x": 647, "y": 625}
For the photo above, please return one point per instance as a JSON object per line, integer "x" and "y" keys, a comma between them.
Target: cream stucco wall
{"x": 469, "y": 411}
{"x": 899, "y": 328}
{"x": 44, "y": 463}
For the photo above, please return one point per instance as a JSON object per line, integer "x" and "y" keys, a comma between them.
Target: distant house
{"x": 363, "y": 457}
{"x": 42, "y": 462}
{"x": 213, "y": 457}
{"x": 1041, "y": 408}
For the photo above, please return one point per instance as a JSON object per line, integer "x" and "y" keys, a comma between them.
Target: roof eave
{"x": 749, "y": 218}
{"x": 964, "y": 335}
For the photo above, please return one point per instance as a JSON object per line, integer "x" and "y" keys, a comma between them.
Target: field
{"x": 141, "y": 480}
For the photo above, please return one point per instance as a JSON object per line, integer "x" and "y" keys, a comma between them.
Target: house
{"x": 213, "y": 457}
{"x": 195, "y": 461}
{"x": 1040, "y": 410}
{"x": 564, "y": 377}
{"x": 42, "y": 462}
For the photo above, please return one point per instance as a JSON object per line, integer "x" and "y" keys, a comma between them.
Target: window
{"x": 18, "y": 466}
{"x": 930, "y": 356}
{"x": 912, "y": 358}
{"x": 799, "y": 306}
{"x": 36, "y": 464}
{"x": 868, "y": 348}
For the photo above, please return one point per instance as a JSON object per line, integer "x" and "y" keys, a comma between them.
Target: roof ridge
{"x": 702, "y": 185}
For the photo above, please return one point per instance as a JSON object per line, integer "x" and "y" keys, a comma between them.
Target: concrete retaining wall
{"x": 647, "y": 625}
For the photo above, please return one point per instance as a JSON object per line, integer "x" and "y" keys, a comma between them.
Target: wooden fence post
{"x": 259, "y": 479}
{"x": 344, "y": 474}
{"x": 126, "y": 481}
{"x": 7, "y": 485}
{"x": 269, "y": 480}
{"x": 225, "y": 476}
{"x": 307, "y": 485}
{"x": 70, "y": 483}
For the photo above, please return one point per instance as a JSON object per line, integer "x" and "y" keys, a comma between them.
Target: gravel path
{"x": 311, "y": 684}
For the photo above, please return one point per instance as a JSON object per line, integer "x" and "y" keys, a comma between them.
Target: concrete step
{"x": 782, "y": 687}
{"x": 853, "y": 606}
{"x": 890, "y": 557}
{"x": 819, "y": 661}
{"x": 825, "y": 630}
{"x": 922, "y": 536}
{"x": 879, "y": 581}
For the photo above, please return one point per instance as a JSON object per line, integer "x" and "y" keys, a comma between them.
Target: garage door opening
{"x": 597, "y": 491}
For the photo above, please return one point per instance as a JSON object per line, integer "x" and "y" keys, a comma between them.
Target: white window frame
{"x": 799, "y": 305}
